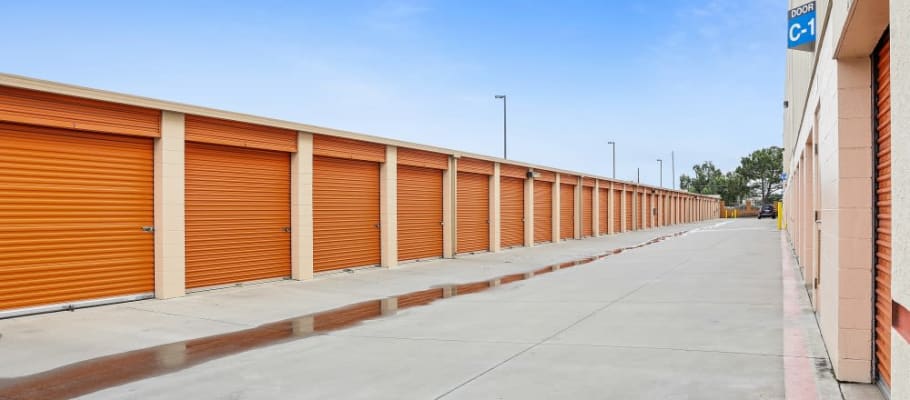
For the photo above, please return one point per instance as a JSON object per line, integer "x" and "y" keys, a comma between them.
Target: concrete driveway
{"x": 698, "y": 316}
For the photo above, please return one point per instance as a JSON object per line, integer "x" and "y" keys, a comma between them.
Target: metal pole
{"x": 504, "y": 136}
{"x": 673, "y": 167}
{"x": 638, "y": 175}
{"x": 661, "y": 163}
{"x": 614, "y": 158}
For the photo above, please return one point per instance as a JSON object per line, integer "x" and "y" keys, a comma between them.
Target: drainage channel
{"x": 89, "y": 376}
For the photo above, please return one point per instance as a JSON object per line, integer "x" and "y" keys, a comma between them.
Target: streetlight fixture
{"x": 504, "y": 143}
{"x": 614, "y": 157}
{"x": 661, "y": 163}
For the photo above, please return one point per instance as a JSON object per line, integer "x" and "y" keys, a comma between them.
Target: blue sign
{"x": 801, "y": 27}
{"x": 783, "y": 176}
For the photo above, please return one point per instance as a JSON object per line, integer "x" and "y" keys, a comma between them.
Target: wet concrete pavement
{"x": 651, "y": 314}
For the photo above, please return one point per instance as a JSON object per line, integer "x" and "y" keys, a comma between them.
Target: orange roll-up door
{"x": 72, "y": 207}
{"x": 566, "y": 211}
{"x": 617, "y": 211}
{"x": 640, "y": 219}
{"x": 543, "y": 211}
{"x": 512, "y": 212}
{"x": 473, "y": 211}
{"x": 629, "y": 209}
{"x": 604, "y": 211}
{"x": 587, "y": 211}
{"x": 345, "y": 213}
{"x": 238, "y": 214}
{"x": 883, "y": 320}
{"x": 419, "y": 212}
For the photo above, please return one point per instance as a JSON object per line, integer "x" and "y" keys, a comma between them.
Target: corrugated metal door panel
{"x": 641, "y": 205}
{"x": 239, "y": 134}
{"x": 345, "y": 214}
{"x": 629, "y": 210}
{"x": 566, "y": 211}
{"x": 512, "y": 212}
{"x": 543, "y": 211}
{"x": 238, "y": 205}
{"x": 883, "y": 320}
{"x": 604, "y": 211}
{"x": 349, "y": 149}
{"x": 587, "y": 211}
{"x": 473, "y": 212}
{"x": 59, "y": 111}
{"x": 617, "y": 211}
{"x": 513, "y": 171}
{"x": 475, "y": 166}
{"x": 419, "y": 213}
{"x": 72, "y": 207}
{"x": 420, "y": 158}
{"x": 589, "y": 182}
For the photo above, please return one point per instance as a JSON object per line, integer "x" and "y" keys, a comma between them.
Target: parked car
{"x": 767, "y": 210}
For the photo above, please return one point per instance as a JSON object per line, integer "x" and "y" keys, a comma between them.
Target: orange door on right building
{"x": 882, "y": 62}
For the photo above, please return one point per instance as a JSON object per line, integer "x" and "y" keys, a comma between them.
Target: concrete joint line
{"x": 557, "y": 333}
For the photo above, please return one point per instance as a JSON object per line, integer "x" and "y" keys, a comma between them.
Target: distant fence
{"x": 739, "y": 212}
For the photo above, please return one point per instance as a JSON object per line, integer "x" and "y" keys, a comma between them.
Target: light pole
{"x": 673, "y": 167}
{"x": 661, "y": 163}
{"x": 614, "y": 157}
{"x": 504, "y": 143}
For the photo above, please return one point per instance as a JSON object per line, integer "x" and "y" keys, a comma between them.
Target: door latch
{"x": 148, "y": 229}
{"x": 286, "y": 229}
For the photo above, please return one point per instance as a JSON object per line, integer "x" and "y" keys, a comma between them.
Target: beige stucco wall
{"x": 170, "y": 214}
{"x": 448, "y": 208}
{"x": 529, "y": 212}
{"x": 495, "y": 211}
{"x": 302, "y": 208}
{"x": 388, "y": 208}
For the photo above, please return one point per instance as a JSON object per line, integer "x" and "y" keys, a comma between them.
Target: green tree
{"x": 707, "y": 179}
{"x": 762, "y": 170}
{"x": 734, "y": 188}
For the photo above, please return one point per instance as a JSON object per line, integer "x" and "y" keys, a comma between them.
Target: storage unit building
{"x": 108, "y": 197}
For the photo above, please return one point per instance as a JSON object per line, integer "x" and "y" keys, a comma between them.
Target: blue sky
{"x": 703, "y": 78}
